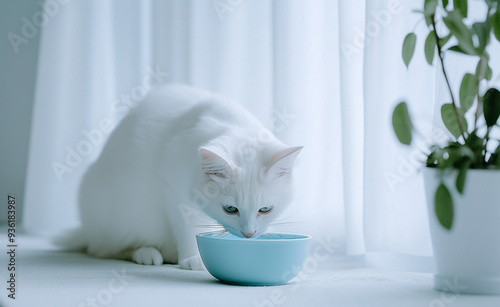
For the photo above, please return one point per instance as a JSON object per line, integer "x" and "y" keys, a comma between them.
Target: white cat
{"x": 182, "y": 151}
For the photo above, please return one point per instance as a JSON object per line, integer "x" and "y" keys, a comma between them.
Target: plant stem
{"x": 418, "y": 22}
{"x": 487, "y": 139}
{"x": 479, "y": 77}
{"x": 440, "y": 54}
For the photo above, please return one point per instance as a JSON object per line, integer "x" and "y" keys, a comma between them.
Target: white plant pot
{"x": 467, "y": 256}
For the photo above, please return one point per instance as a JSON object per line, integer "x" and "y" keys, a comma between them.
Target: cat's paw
{"x": 192, "y": 263}
{"x": 147, "y": 256}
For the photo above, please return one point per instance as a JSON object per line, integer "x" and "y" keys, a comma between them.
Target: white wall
{"x": 17, "y": 84}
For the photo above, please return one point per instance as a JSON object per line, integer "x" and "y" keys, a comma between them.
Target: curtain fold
{"x": 393, "y": 223}
{"x": 351, "y": 50}
{"x": 75, "y": 68}
{"x": 322, "y": 74}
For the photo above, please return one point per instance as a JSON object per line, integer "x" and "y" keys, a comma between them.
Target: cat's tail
{"x": 71, "y": 241}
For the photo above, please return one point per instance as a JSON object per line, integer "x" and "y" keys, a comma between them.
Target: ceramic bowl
{"x": 270, "y": 259}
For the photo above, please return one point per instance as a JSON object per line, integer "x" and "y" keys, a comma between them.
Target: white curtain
{"x": 323, "y": 74}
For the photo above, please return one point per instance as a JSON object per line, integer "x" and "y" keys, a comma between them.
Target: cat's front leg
{"x": 192, "y": 263}
{"x": 189, "y": 256}
{"x": 186, "y": 224}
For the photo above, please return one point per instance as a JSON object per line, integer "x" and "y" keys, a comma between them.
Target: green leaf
{"x": 491, "y": 106}
{"x": 460, "y": 183}
{"x": 430, "y": 46}
{"x": 401, "y": 123}
{"x": 479, "y": 108}
{"x": 450, "y": 119}
{"x": 488, "y": 72}
{"x": 428, "y": 20}
{"x": 453, "y": 156}
{"x": 443, "y": 206}
{"x": 492, "y": 3}
{"x": 495, "y": 158}
{"x": 445, "y": 4}
{"x": 467, "y": 92}
{"x": 482, "y": 29}
{"x": 430, "y": 7}
{"x": 459, "y": 49}
{"x": 475, "y": 144}
{"x": 456, "y": 26}
{"x": 461, "y": 6}
{"x": 409, "y": 47}
{"x": 444, "y": 40}
{"x": 465, "y": 151}
{"x": 495, "y": 23}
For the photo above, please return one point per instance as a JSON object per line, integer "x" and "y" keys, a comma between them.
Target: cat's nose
{"x": 248, "y": 235}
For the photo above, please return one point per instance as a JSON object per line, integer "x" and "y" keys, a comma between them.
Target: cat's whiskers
{"x": 222, "y": 233}
{"x": 211, "y": 224}
{"x": 218, "y": 233}
{"x": 291, "y": 223}
{"x": 289, "y": 216}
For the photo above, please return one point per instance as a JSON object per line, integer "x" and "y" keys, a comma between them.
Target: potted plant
{"x": 462, "y": 177}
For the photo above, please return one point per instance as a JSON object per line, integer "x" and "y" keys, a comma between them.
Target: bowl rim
{"x": 303, "y": 237}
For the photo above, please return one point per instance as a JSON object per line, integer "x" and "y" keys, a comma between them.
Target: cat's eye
{"x": 230, "y": 209}
{"x": 265, "y": 210}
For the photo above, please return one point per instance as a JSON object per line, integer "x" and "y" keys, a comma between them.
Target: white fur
{"x": 181, "y": 151}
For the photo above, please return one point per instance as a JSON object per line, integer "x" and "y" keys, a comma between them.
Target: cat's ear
{"x": 214, "y": 164}
{"x": 281, "y": 165}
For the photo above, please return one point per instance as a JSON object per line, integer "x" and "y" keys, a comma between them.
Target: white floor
{"x": 47, "y": 277}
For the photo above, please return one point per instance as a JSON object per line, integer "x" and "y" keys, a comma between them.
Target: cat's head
{"x": 247, "y": 192}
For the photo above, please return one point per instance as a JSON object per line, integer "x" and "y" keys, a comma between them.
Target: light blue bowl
{"x": 268, "y": 260}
